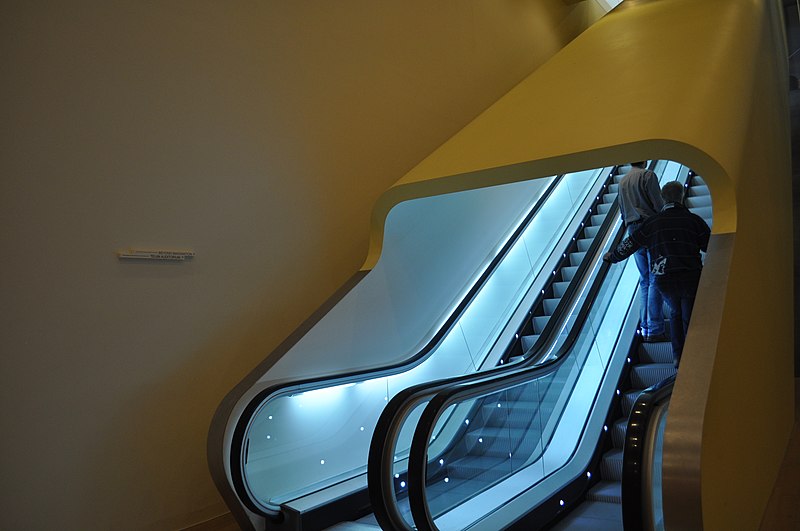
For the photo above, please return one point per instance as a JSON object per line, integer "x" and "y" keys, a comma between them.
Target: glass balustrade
{"x": 491, "y": 445}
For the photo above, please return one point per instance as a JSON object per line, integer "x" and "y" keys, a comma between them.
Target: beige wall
{"x": 257, "y": 135}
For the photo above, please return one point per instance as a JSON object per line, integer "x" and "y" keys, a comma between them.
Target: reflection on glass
{"x": 497, "y": 435}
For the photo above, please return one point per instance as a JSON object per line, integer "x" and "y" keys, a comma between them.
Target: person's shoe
{"x": 658, "y": 338}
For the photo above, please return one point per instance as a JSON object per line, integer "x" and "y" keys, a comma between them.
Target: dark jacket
{"x": 674, "y": 238}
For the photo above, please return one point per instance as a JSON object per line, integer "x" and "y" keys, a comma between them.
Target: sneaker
{"x": 658, "y": 338}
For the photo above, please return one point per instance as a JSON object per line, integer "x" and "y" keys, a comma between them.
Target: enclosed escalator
{"x": 511, "y": 433}
{"x": 291, "y": 451}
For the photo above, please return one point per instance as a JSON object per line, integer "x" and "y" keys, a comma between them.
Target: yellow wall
{"x": 702, "y": 83}
{"x": 258, "y": 135}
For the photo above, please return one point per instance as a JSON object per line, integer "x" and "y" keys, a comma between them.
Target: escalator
{"x": 280, "y": 467}
{"x": 534, "y": 405}
{"x": 482, "y": 454}
{"x": 651, "y": 364}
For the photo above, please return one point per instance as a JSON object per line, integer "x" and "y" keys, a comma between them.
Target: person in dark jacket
{"x": 674, "y": 238}
{"x": 640, "y": 198}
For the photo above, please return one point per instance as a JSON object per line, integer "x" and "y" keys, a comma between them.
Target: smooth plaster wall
{"x": 258, "y": 135}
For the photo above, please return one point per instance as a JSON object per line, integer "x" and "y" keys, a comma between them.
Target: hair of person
{"x": 639, "y": 164}
{"x": 672, "y": 192}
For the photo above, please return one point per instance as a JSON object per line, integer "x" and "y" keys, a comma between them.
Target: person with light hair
{"x": 674, "y": 239}
{"x": 639, "y": 199}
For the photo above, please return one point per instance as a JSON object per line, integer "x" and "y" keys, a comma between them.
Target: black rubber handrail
{"x": 417, "y": 465}
{"x": 636, "y": 444}
{"x": 381, "y": 453}
{"x": 238, "y": 439}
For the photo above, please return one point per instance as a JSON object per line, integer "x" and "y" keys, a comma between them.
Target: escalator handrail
{"x": 255, "y": 403}
{"x": 633, "y": 465}
{"x": 417, "y": 463}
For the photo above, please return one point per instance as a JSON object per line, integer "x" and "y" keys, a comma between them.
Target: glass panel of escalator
{"x": 491, "y": 430}
{"x": 509, "y": 440}
{"x": 279, "y": 468}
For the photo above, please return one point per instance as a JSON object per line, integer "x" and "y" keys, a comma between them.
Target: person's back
{"x": 674, "y": 238}
{"x": 639, "y": 198}
{"x": 639, "y": 194}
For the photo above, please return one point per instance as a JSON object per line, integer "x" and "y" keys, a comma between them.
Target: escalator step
{"x": 697, "y": 180}
{"x": 497, "y": 441}
{"x": 568, "y": 272}
{"x": 575, "y": 259}
{"x": 655, "y": 352}
{"x": 539, "y": 323}
{"x": 591, "y": 232}
{"x": 519, "y": 414}
{"x": 609, "y": 197}
{"x": 647, "y": 374}
{"x": 528, "y": 342}
{"x": 618, "y": 432}
{"x": 703, "y": 212}
{"x": 597, "y": 219}
{"x": 613, "y": 188}
{"x": 627, "y": 400}
{"x": 515, "y": 419}
{"x": 606, "y": 491}
{"x": 604, "y": 208}
{"x": 698, "y": 201}
{"x": 697, "y": 190}
{"x": 550, "y": 305}
{"x": 480, "y": 468}
{"x": 611, "y": 465}
{"x": 443, "y": 494}
{"x": 559, "y": 288}
{"x": 490, "y": 433}
{"x": 584, "y": 244}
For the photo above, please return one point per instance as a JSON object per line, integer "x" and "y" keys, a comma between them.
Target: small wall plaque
{"x": 157, "y": 254}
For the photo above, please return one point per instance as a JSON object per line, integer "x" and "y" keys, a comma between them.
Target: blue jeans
{"x": 679, "y": 291}
{"x": 651, "y": 305}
